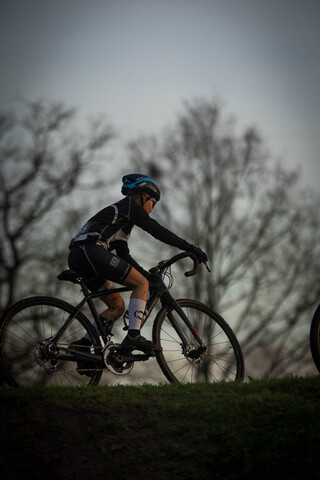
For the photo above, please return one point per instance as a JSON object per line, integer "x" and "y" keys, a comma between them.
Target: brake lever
{"x": 195, "y": 266}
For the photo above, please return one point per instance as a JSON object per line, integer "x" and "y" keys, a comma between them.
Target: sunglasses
{"x": 153, "y": 200}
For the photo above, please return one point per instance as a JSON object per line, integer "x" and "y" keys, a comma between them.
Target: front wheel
{"x": 181, "y": 360}
{"x": 315, "y": 338}
{"x": 28, "y": 355}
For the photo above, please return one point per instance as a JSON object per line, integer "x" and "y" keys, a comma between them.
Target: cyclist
{"x": 92, "y": 254}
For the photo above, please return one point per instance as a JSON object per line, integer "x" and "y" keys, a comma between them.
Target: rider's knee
{"x": 144, "y": 282}
{"x": 137, "y": 280}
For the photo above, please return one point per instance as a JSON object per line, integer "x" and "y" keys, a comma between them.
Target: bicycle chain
{"x": 80, "y": 370}
{"x": 62, "y": 372}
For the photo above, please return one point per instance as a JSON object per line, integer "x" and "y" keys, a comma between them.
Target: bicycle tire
{"x": 223, "y": 359}
{"x": 25, "y": 326}
{"x": 315, "y": 338}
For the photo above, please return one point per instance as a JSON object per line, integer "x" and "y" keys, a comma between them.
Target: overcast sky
{"x": 136, "y": 61}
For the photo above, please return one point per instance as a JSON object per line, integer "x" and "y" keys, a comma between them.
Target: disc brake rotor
{"x": 190, "y": 352}
{"x": 45, "y": 354}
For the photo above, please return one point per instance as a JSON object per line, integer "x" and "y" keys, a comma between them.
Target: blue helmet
{"x": 138, "y": 183}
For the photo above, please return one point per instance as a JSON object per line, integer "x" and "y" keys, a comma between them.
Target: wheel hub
{"x": 45, "y": 355}
{"x": 193, "y": 355}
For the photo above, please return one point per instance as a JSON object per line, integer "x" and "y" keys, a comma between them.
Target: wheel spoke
{"x": 222, "y": 359}
{"x": 27, "y": 356}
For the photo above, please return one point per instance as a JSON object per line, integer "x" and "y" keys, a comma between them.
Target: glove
{"x": 201, "y": 256}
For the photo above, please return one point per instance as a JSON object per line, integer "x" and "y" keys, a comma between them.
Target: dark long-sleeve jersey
{"x": 113, "y": 226}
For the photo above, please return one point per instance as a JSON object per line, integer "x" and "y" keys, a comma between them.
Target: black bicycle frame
{"x": 158, "y": 290}
{"x": 88, "y": 298}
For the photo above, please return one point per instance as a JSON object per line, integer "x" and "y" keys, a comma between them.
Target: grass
{"x": 257, "y": 430}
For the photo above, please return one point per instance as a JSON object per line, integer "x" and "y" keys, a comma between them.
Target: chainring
{"x": 112, "y": 362}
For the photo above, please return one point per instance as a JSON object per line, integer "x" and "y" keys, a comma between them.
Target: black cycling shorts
{"x": 98, "y": 265}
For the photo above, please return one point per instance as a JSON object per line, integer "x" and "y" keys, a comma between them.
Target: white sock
{"x": 136, "y": 312}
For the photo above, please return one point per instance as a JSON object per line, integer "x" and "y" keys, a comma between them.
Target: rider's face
{"x": 148, "y": 203}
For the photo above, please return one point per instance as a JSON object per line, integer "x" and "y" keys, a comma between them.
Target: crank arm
{"x": 127, "y": 357}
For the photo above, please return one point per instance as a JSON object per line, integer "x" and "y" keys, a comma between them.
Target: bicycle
{"x": 315, "y": 338}
{"x": 35, "y": 335}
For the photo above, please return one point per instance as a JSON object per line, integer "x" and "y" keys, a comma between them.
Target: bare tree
{"x": 43, "y": 165}
{"x": 260, "y": 229}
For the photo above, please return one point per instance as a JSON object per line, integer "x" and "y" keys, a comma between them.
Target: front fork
{"x": 167, "y": 299}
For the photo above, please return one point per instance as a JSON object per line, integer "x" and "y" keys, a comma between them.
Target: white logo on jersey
{"x": 114, "y": 262}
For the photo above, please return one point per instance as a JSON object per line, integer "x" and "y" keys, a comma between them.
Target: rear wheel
{"x": 182, "y": 361}
{"x": 30, "y": 358}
